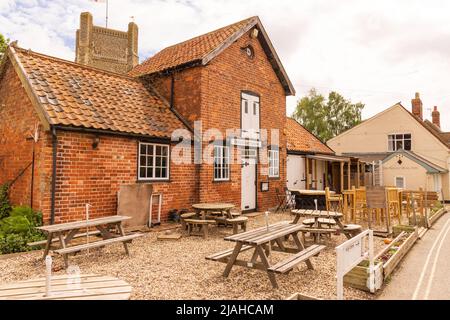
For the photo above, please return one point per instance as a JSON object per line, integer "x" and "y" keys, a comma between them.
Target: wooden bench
{"x": 202, "y": 224}
{"x": 79, "y": 235}
{"x": 236, "y": 222}
{"x": 184, "y": 216}
{"x": 291, "y": 262}
{"x": 224, "y": 255}
{"x": 97, "y": 244}
{"x": 352, "y": 229}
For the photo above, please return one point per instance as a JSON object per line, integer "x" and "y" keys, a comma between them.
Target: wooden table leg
{"x": 48, "y": 244}
{"x": 63, "y": 245}
{"x": 341, "y": 226}
{"x": 266, "y": 265}
{"x": 301, "y": 247}
{"x": 236, "y": 251}
{"x": 297, "y": 217}
{"x": 122, "y": 233}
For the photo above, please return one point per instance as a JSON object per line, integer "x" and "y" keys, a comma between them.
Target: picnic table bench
{"x": 315, "y": 228}
{"x": 68, "y": 287}
{"x": 264, "y": 240}
{"x": 66, "y": 232}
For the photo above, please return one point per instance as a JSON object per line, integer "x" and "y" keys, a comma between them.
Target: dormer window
{"x": 400, "y": 141}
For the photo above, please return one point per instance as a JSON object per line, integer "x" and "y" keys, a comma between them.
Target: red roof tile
{"x": 71, "y": 94}
{"x": 301, "y": 140}
{"x": 189, "y": 51}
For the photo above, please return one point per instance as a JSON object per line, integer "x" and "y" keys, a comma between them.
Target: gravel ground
{"x": 178, "y": 269}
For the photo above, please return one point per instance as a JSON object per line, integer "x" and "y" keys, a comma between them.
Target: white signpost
{"x": 349, "y": 254}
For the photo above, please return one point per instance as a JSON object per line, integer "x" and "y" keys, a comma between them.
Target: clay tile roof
{"x": 443, "y": 136}
{"x": 301, "y": 140}
{"x": 71, "y": 94}
{"x": 190, "y": 51}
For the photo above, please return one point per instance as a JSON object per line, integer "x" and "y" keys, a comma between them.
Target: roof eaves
{"x": 289, "y": 88}
{"x": 225, "y": 44}
{"x": 20, "y": 70}
{"x": 430, "y": 167}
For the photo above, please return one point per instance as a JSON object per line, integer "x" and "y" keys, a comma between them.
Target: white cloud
{"x": 375, "y": 52}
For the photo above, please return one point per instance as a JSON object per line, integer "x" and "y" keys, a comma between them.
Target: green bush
{"x": 17, "y": 225}
{"x": 35, "y": 218}
{"x": 18, "y": 229}
{"x": 5, "y": 206}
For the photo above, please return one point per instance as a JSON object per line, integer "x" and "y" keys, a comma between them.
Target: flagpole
{"x": 106, "y": 13}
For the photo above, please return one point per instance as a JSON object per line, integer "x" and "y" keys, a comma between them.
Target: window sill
{"x": 154, "y": 181}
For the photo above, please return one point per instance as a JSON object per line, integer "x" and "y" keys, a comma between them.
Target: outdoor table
{"x": 317, "y": 214}
{"x": 65, "y": 232}
{"x": 304, "y": 199}
{"x": 68, "y": 287}
{"x": 204, "y": 208}
{"x": 263, "y": 241}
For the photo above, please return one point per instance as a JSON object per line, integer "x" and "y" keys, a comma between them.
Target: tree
{"x": 327, "y": 118}
{"x": 3, "y": 45}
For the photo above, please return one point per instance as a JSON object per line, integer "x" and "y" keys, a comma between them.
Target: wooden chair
{"x": 393, "y": 203}
{"x": 359, "y": 204}
{"x": 282, "y": 200}
{"x": 290, "y": 199}
{"x": 376, "y": 199}
{"x": 333, "y": 202}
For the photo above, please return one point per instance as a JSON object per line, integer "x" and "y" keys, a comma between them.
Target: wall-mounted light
{"x": 95, "y": 142}
{"x": 254, "y": 33}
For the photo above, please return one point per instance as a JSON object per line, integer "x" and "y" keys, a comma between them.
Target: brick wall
{"x": 213, "y": 94}
{"x": 87, "y": 175}
{"x": 17, "y": 122}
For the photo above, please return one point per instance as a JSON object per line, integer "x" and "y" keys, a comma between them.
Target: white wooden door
{"x": 295, "y": 172}
{"x": 248, "y": 184}
{"x": 250, "y": 113}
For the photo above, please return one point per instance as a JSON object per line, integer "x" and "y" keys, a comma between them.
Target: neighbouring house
{"x": 96, "y": 130}
{"x": 405, "y": 151}
{"x": 312, "y": 165}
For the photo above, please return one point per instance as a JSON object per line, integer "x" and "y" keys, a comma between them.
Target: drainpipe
{"x": 172, "y": 86}
{"x": 54, "y": 146}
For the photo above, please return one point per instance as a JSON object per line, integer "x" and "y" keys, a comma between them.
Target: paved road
{"x": 424, "y": 274}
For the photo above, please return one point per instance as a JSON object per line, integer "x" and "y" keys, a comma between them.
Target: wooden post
{"x": 326, "y": 174}
{"x": 342, "y": 176}
{"x": 349, "y": 171}
{"x": 315, "y": 178}
{"x": 363, "y": 173}
{"x": 307, "y": 172}
{"x": 358, "y": 175}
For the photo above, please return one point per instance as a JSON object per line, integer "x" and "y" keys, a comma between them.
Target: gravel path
{"x": 178, "y": 269}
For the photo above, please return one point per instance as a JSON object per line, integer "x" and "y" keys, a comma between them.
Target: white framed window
{"x": 153, "y": 161}
{"x": 274, "y": 163}
{"x": 221, "y": 163}
{"x": 399, "y": 141}
{"x": 400, "y": 182}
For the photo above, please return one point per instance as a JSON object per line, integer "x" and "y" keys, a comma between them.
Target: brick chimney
{"x": 436, "y": 117}
{"x": 417, "y": 106}
{"x": 105, "y": 48}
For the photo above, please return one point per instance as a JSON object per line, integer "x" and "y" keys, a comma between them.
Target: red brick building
{"x": 99, "y": 130}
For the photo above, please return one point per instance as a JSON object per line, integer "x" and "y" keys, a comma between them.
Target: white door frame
{"x": 248, "y": 194}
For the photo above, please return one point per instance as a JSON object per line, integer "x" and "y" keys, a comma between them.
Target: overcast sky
{"x": 376, "y": 52}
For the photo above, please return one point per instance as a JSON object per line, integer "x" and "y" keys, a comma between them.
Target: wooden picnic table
{"x": 68, "y": 287}
{"x": 65, "y": 233}
{"x": 222, "y": 208}
{"x": 317, "y": 214}
{"x": 264, "y": 240}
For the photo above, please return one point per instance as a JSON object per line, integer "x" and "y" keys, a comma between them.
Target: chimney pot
{"x": 436, "y": 117}
{"x": 417, "y": 106}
